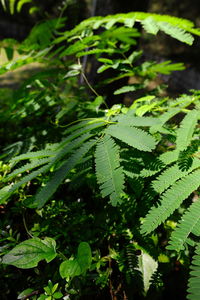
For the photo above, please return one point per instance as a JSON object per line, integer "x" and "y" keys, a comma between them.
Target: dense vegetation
{"x": 99, "y": 173}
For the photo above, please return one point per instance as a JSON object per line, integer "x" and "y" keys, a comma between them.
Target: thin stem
{"x": 89, "y": 85}
{"x": 25, "y": 226}
{"x": 62, "y": 255}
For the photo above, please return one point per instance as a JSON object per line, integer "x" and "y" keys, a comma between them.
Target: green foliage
{"x": 147, "y": 266}
{"x": 79, "y": 265}
{"x": 28, "y": 253}
{"x": 171, "y": 200}
{"x": 108, "y": 171}
{"x": 119, "y": 177}
{"x": 194, "y": 279}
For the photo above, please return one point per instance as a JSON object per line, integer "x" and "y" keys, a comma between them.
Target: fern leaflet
{"x": 186, "y": 130}
{"x": 176, "y": 32}
{"x": 4, "y": 196}
{"x": 185, "y": 227}
{"x": 170, "y": 201}
{"x": 172, "y": 174}
{"x": 194, "y": 280}
{"x": 132, "y": 136}
{"x": 45, "y": 193}
{"x": 109, "y": 174}
{"x": 27, "y": 167}
{"x": 150, "y": 25}
{"x": 137, "y": 121}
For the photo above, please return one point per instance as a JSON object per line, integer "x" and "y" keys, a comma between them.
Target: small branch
{"x": 89, "y": 85}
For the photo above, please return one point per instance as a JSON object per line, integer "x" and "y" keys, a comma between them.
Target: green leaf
{"x": 186, "y": 130}
{"x": 125, "y": 89}
{"x": 84, "y": 256}
{"x": 147, "y": 266}
{"x": 78, "y": 266}
{"x": 70, "y": 268}
{"x": 28, "y": 253}
{"x": 176, "y": 32}
{"x": 129, "y": 22}
{"x": 132, "y": 136}
{"x": 150, "y": 25}
{"x": 109, "y": 174}
{"x": 25, "y": 293}
{"x": 58, "y": 295}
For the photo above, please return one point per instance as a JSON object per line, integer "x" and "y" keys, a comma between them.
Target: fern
{"x": 171, "y": 200}
{"x": 189, "y": 220}
{"x": 5, "y": 195}
{"x": 194, "y": 280}
{"x": 132, "y": 120}
{"x": 132, "y": 136}
{"x": 150, "y": 25}
{"x": 82, "y": 128}
{"x": 33, "y": 155}
{"x": 165, "y": 67}
{"x": 160, "y": 163}
{"x": 45, "y": 193}
{"x": 164, "y": 118}
{"x": 176, "y": 32}
{"x": 27, "y": 167}
{"x": 172, "y": 174}
{"x": 186, "y": 130}
{"x": 178, "y": 28}
{"x": 58, "y": 156}
{"x": 109, "y": 173}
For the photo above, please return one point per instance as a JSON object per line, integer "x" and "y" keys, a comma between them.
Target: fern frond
{"x": 175, "y": 27}
{"x": 33, "y": 155}
{"x": 185, "y": 227}
{"x": 109, "y": 173}
{"x": 165, "y": 118}
{"x": 150, "y": 25}
{"x": 196, "y": 229}
{"x": 81, "y": 128}
{"x": 67, "y": 148}
{"x": 50, "y": 163}
{"x": 165, "y": 67}
{"x": 45, "y": 193}
{"x": 169, "y": 157}
{"x": 186, "y": 130}
{"x": 132, "y": 136}
{"x": 172, "y": 174}
{"x": 137, "y": 121}
{"x": 194, "y": 280}
{"x": 24, "y": 180}
{"x": 27, "y": 167}
{"x": 176, "y": 32}
{"x": 171, "y": 200}
{"x": 160, "y": 162}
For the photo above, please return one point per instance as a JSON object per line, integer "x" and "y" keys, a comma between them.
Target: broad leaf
{"x": 76, "y": 267}
{"x": 70, "y": 268}
{"x": 28, "y": 253}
